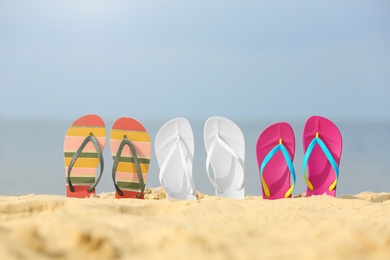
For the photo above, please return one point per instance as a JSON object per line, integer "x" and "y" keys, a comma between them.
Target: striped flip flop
{"x": 131, "y": 150}
{"x": 83, "y": 154}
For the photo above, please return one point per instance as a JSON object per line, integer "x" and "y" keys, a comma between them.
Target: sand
{"x": 102, "y": 227}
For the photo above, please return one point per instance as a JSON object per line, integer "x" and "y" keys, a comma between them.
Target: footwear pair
{"x": 322, "y": 145}
{"x": 83, "y": 153}
{"x": 225, "y": 146}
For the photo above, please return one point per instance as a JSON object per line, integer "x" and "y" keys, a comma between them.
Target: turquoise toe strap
{"x": 270, "y": 155}
{"x": 319, "y": 142}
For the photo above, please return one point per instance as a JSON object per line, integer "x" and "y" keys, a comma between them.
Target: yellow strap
{"x": 265, "y": 187}
{"x": 288, "y": 193}
{"x": 333, "y": 185}
{"x": 311, "y": 187}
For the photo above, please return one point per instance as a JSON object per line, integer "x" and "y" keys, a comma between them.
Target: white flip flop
{"x": 225, "y": 147}
{"x": 174, "y": 146}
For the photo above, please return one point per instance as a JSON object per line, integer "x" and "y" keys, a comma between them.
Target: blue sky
{"x": 161, "y": 59}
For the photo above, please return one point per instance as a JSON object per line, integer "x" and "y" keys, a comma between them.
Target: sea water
{"x": 31, "y": 156}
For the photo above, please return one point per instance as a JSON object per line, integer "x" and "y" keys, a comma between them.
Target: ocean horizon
{"x": 32, "y": 162}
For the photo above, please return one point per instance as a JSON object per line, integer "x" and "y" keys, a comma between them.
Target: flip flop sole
{"x": 228, "y": 172}
{"x": 276, "y": 173}
{"x": 319, "y": 170}
{"x": 83, "y": 173}
{"x": 175, "y": 180}
{"x": 126, "y": 173}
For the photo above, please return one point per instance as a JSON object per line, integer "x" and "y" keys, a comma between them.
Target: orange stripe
{"x": 85, "y": 131}
{"x": 126, "y": 123}
{"x": 82, "y": 162}
{"x": 130, "y": 167}
{"x": 133, "y": 136}
{"x": 89, "y": 120}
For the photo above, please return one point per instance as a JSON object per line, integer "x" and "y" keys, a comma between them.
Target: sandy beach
{"x": 102, "y": 227}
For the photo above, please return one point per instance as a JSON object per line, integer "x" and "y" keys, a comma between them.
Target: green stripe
{"x": 82, "y": 155}
{"x": 129, "y": 185}
{"x": 131, "y": 160}
{"x": 82, "y": 180}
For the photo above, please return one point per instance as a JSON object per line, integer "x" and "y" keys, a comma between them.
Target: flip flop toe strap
{"x": 90, "y": 138}
{"x": 329, "y": 156}
{"x": 286, "y": 155}
{"x": 117, "y": 158}
{"x": 220, "y": 141}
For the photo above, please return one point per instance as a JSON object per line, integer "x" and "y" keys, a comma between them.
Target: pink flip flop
{"x": 275, "y": 152}
{"x": 322, "y": 145}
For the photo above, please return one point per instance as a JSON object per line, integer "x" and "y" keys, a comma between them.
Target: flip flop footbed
{"x": 225, "y": 147}
{"x": 126, "y": 174}
{"x": 276, "y": 173}
{"x": 83, "y": 172}
{"x": 174, "y": 146}
{"x": 319, "y": 169}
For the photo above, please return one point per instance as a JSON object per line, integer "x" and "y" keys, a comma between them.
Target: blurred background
{"x": 254, "y": 62}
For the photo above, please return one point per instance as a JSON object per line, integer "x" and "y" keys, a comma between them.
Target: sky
{"x": 162, "y": 59}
